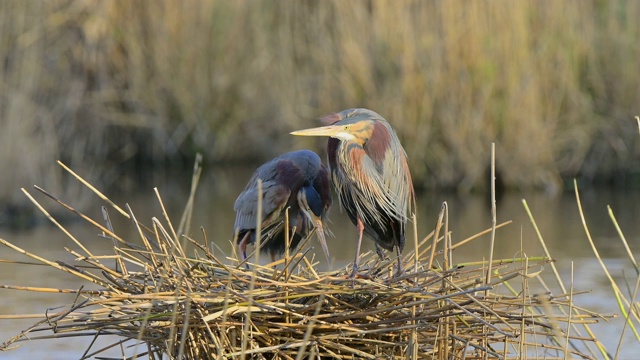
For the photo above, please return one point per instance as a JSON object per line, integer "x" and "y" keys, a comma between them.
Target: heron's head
{"x": 355, "y": 125}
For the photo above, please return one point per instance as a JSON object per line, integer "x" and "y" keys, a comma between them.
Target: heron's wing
{"x": 274, "y": 199}
{"x": 397, "y": 179}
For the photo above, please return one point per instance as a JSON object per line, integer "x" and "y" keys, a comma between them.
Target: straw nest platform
{"x": 163, "y": 303}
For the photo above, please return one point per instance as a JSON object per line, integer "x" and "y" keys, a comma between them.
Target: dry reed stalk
{"x": 560, "y": 283}
{"x": 623, "y": 302}
{"x": 161, "y": 302}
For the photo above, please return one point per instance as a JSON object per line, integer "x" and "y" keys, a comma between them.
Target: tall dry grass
{"x": 94, "y": 83}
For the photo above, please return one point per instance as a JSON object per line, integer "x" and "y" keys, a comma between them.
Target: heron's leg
{"x": 360, "y": 227}
{"x": 400, "y": 270}
{"x": 242, "y": 246}
{"x": 380, "y": 252}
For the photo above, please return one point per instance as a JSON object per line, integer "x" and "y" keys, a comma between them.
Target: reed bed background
{"x": 159, "y": 300}
{"x": 103, "y": 84}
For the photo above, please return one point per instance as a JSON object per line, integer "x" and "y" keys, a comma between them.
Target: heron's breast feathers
{"x": 372, "y": 187}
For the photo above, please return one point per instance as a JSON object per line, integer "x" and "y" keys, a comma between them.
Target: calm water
{"x": 557, "y": 218}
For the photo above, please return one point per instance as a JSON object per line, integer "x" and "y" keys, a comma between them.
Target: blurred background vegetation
{"x": 111, "y": 86}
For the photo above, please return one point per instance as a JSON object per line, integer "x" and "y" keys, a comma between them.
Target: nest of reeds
{"x": 164, "y": 303}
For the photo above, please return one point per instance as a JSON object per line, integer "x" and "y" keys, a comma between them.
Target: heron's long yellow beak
{"x": 330, "y": 130}
{"x": 322, "y": 239}
{"x": 320, "y": 232}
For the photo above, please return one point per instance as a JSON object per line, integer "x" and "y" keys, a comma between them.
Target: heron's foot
{"x": 354, "y": 272}
{"x": 356, "y": 275}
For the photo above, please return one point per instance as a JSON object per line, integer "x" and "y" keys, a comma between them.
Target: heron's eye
{"x": 347, "y": 127}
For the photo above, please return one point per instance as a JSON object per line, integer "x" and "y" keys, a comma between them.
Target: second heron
{"x": 296, "y": 181}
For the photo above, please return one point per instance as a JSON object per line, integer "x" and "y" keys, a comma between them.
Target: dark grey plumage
{"x": 296, "y": 180}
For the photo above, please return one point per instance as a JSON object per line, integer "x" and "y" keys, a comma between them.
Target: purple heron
{"x": 296, "y": 180}
{"x": 369, "y": 171}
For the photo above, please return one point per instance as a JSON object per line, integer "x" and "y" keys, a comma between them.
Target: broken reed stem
{"x": 107, "y": 220}
{"x": 287, "y": 240}
{"x": 185, "y": 220}
{"x": 185, "y": 326}
{"x": 78, "y": 213}
{"x": 570, "y": 312}
{"x": 52, "y": 264}
{"x": 493, "y": 211}
{"x": 557, "y": 277}
{"x": 445, "y": 284}
{"x": 623, "y": 239}
{"x": 487, "y": 279}
{"x": 622, "y": 300}
{"x": 431, "y": 248}
{"x": 523, "y": 297}
{"x": 287, "y": 257}
{"x": 309, "y": 331}
{"x": 543, "y": 245}
{"x": 436, "y": 236}
{"x": 416, "y": 246}
{"x": 627, "y": 319}
{"x": 248, "y": 330}
{"x": 92, "y": 188}
{"x": 166, "y": 217}
{"x": 413, "y": 340}
{"x": 55, "y": 222}
{"x": 482, "y": 233}
{"x": 448, "y": 248}
{"x": 445, "y": 238}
